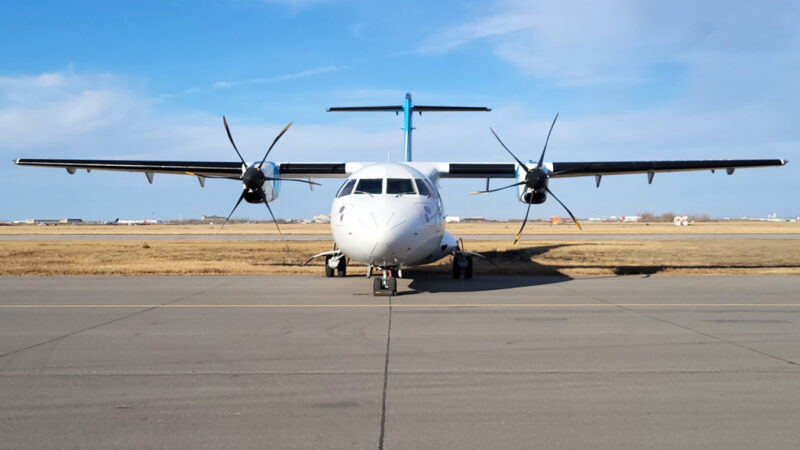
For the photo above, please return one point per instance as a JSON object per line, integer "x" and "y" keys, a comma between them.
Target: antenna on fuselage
{"x": 408, "y": 109}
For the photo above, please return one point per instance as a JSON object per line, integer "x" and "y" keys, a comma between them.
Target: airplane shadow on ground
{"x": 504, "y": 269}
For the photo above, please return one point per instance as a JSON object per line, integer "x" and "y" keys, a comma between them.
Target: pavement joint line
{"x": 409, "y": 305}
{"x": 686, "y": 328}
{"x": 405, "y": 372}
{"x": 108, "y": 322}
{"x": 385, "y": 379}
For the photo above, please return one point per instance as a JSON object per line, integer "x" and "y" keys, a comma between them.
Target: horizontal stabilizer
{"x": 414, "y": 108}
{"x": 395, "y": 108}
{"x": 450, "y": 108}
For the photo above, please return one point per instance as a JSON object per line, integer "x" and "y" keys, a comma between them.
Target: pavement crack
{"x": 684, "y": 327}
{"x": 385, "y": 378}
{"x": 108, "y": 322}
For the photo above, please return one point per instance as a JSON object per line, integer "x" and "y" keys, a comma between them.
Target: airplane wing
{"x": 208, "y": 169}
{"x": 582, "y": 169}
{"x": 598, "y": 168}
{"x": 233, "y": 170}
{"x": 200, "y": 169}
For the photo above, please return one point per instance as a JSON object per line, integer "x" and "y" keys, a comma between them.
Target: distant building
{"x": 452, "y": 219}
{"x": 322, "y": 218}
{"x": 42, "y": 221}
{"x": 630, "y": 218}
{"x": 70, "y": 221}
{"x": 138, "y": 222}
{"x": 681, "y": 221}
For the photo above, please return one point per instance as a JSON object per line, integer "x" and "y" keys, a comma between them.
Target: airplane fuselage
{"x": 390, "y": 215}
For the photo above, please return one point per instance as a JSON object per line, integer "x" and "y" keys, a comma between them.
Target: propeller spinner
{"x": 253, "y": 178}
{"x": 536, "y": 182}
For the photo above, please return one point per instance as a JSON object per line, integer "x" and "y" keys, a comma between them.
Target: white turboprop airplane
{"x": 390, "y": 215}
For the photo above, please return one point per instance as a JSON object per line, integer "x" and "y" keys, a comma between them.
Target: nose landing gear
{"x": 387, "y": 284}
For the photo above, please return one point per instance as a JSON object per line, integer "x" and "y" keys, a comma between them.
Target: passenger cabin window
{"x": 369, "y": 186}
{"x": 399, "y": 186}
{"x": 422, "y": 188}
{"x": 347, "y": 188}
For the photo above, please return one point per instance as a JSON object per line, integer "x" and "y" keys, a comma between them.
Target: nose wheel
{"x": 385, "y": 285}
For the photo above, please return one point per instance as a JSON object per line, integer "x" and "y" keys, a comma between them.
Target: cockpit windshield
{"x": 347, "y": 188}
{"x": 422, "y": 187}
{"x": 369, "y": 186}
{"x": 399, "y": 186}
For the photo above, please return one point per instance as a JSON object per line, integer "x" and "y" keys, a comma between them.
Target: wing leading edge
{"x": 204, "y": 169}
{"x": 233, "y": 170}
{"x": 583, "y": 169}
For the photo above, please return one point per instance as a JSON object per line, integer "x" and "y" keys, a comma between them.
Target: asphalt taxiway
{"x": 310, "y": 362}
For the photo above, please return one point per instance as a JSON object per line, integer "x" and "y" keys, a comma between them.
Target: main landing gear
{"x": 462, "y": 263}
{"x": 387, "y": 284}
{"x": 335, "y": 264}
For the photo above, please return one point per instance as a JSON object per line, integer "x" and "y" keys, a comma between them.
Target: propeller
{"x": 253, "y": 178}
{"x": 536, "y": 182}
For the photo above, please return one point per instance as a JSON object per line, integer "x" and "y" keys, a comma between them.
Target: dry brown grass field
{"x": 138, "y": 256}
{"x": 487, "y": 228}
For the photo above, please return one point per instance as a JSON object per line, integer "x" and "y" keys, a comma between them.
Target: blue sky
{"x": 632, "y": 81}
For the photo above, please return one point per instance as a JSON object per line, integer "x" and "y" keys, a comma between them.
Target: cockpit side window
{"x": 369, "y": 186}
{"x": 422, "y": 188}
{"x": 432, "y": 188}
{"x": 347, "y": 188}
{"x": 399, "y": 186}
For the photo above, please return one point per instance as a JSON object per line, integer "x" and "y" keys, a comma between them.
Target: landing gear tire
{"x": 468, "y": 269}
{"x": 341, "y": 269}
{"x": 328, "y": 268}
{"x": 462, "y": 264}
{"x": 384, "y": 287}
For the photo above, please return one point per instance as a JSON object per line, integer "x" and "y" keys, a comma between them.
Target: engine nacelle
{"x": 534, "y": 189}
{"x": 270, "y": 187}
{"x": 535, "y": 197}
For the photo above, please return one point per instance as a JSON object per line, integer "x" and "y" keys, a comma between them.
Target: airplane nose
{"x": 387, "y": 242}
{"x": 393, "y": 240}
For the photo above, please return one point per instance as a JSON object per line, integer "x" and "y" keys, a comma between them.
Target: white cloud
{"x": 584, "y": 42}
{"x": 282, "y": 77}
{"x": 52, "y": 108}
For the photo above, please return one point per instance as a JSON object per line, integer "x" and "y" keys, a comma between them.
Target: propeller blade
{"x": 294, "y": 179}
{"x": 274, "y": 142}
{"x": 498, "y": 189}
{"x": 264, "y": 197}
{"x": 565, "y": 207}
{"x": 241, "y": 197}
{"x": 228, "y": 130}
{"x": 541, "y": 158}
{"x": 523, "y": 223}
{"x": 509, "y": 151}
